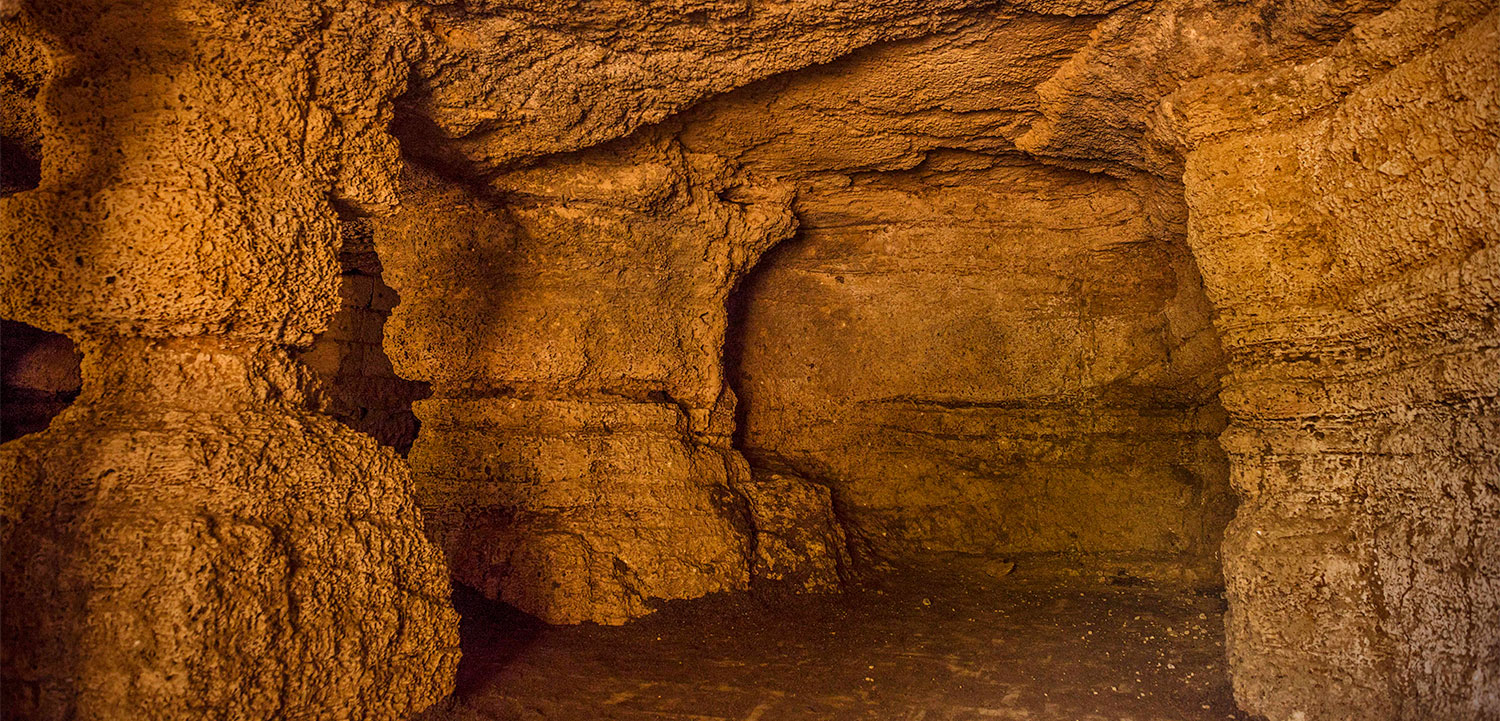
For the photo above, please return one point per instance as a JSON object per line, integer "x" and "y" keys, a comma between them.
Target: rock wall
{"x": 359, "y": 385}
{"x": 1005, "y": 210}
{"x": 987, "y": 355}
{"x": 575, "y": 456}
{"x": 189, "y": 539}
{"x": 1347, "y": 219}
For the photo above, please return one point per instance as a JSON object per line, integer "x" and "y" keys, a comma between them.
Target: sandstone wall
{"x": 575, "y": 456}
{"x": 1346, "y": 217}
{"x": 1016, "y": 196}
{"x": 988, "y": 355}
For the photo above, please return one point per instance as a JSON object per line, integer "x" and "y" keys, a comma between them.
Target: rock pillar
{"x": 190, "y": 539}
{"x": 574, "y": 458}
{"x": 1345, "y": 218}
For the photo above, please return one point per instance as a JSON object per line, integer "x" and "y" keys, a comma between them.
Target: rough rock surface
{"x": 1346, "y": 217}
{"x": 988, "y": 355}
{"x": 1006, "y": 210}
{"x": 575, "y": 458}
{"x": 188, "y": 540}
{"x": 185, "y": 541}
{"x": 800, "y": 544}
{"x": 39, "y": 377}
{"x": 359, "y": 387}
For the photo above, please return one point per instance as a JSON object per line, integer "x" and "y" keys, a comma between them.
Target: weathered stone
{"x": 575, "y": 462}
{"x": 800, "y": 545}
{"x": 188, "y": 539}
{"x": 1048, "y": 251}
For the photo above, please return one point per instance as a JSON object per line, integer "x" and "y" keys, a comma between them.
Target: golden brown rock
{"x": 1345, "y": 217}
{"x": 188, "y": 540}
{"x": 990, "y": 356}
{"x": 1009, "y": 269}
{"x": 574, "y": 460}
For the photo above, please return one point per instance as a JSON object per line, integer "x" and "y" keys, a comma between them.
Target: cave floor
{"x": 909, "y": 648}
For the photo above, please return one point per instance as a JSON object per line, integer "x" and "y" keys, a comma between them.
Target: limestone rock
{"x": 986, "y": 279}
{"x": 574, "y": 459}
{"x": 199, "y": 546}
{"x": 189, "y": 539}
{"x": 576, "y": 510}
{"x": 989, "y": 356}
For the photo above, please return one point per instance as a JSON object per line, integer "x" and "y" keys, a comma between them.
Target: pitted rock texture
{"x": 132, "y": 152}
{"x": 800, "y": 544}
{"x": 186, "y": 542}
{"x": 189, "y": 539}
{"x": 1346, "y": 219}
{"x": 1047, "y": 251}
{"x": 575, "y": 457}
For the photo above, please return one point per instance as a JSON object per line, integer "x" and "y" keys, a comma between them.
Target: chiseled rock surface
{"x": 359, "y": 387}
{"x": 579, "y": 510}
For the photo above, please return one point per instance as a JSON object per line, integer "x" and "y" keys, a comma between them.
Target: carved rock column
{"x": 575, "y": 456}
{"x": 190, "y": 539}
{"x": 1345, "y": 218}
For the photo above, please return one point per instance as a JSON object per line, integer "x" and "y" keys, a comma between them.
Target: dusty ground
{"x": 918, "y": 648}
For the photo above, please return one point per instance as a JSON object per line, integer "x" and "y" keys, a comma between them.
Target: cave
{"x": 940, "y": 359}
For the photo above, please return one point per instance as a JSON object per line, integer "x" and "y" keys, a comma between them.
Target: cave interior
{"x": 1063, "y": 360}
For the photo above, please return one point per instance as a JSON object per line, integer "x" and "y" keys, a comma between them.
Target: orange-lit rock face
{"x": 189, "y": 539}
{"x": 721, "y": 295}
{"x": 989, "y": 356}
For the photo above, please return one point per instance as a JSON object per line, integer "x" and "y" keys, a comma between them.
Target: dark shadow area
{"x": 39, "y": 377}
{"x": 363, "y": 390}
{"x": 19, "y": 169}
{"x": 492, "y": 634}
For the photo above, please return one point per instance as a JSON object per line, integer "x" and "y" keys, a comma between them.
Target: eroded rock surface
{"x": 990, "y": 356}
{"x": 1001, "y": 273}
{"x": 359, "y": 387}
{"x": 575, "y": 457}
{"x": 1345, "y": 217}
{"x": 800, "y": 544}
{"x": 188, "y": 539}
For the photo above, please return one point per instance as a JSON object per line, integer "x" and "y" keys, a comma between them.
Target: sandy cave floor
{"x": 908, "y": 648}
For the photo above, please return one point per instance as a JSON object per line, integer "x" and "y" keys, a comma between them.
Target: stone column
{"x": 575, "y": 456}
{"x": 190, "y": 539}
{"x": 1345, "y": 218}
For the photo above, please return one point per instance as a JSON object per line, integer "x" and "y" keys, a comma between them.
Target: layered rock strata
{"x": 986, "y": 355}
{"x": 188, "y": 539}
{"x": 575, "y": 456}
{"x": 1018, "y": 197}
{"x": 1347, "y": 220}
